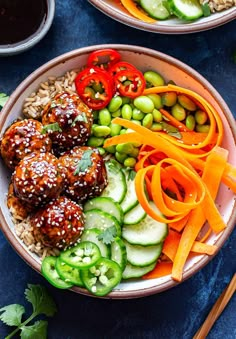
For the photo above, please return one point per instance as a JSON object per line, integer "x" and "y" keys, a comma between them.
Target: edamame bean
{"x": 104, "y": 117}
{"x": 157, "y": 116}
{"x": 144, "y": 104}
{"x": 111, "y": 149}
{"x": 135, "y": 152}
{"x": 156, "y": 127}
{"x": 93, "y": 126}
{"x": 153, "y": 79}
{"x": 101, "y": 150}
{"x": 123, "y": 131}
{"x": 129, "y": 162}
{"x": 137, "y": 114}
{"x": 95, "y": 141}
{"x": 120, "y": 157}
{"x": 124, "y": 148}
{"x": 202, "y": 128}
{"x": 116, "y": 113}
{"x": 125, "y": 100}
{"x": 137, "y": 122}
{"x": 148, "y": 120}
{"x": 156, "y": 99}
{"x": 190, "y": 122}
{"x": 169, "y": 99}
{"x": 186, "y": 102}
{"x": 201, "y": 117}
{"x": 114, "y": 104}
{"x": 178, "y": 112}
{"x": 101, "y": 131}
{"x": 115, "y": 129}
{"x": 126, "y": 112}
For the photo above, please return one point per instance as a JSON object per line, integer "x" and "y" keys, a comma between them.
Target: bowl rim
{"x": 26, "y": 44}
{"x": 12, "y": 238}
{"x": 127, "y": 19}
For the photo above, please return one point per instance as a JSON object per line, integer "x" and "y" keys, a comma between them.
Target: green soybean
{"x": 93, "y": 126}
{"x": 110, "y": 149}
{"x": 129, "y": 162}
{"x": 190, "y": 122}
{"x": 114, "y": 104}
{"x": 153, "y": 79}
{"x": 116, "y": 113}
{"x": 148, "y": 120}
{"x": 120, "y": 157}
{"x": 169, "y": 99}
{"x": 157, "y": 116}
{"x": 104, "y": 117}
{"x": 101, "y": 150}
{"x": 123, "y": 131}
{"x": 144, "y": 104}
{"x": 114, "y": 129}
{"x": 126, "y": 111}
{"x": 187, "y": 103}
{"x": 125, "y": 100}
{"x": 156, "y": 99}
{"x": 201, "y": 117}
{"x": 95, "y": 141}
{"x": 178, "y": 112}
{"x": 202, "y": 128}
{"x": 156, "y": 127}
{"x": 135, "y": 152}
{"x": 101, "y": 131}
{"x": 137, "y": 114}
{"x": 124, "y": 148}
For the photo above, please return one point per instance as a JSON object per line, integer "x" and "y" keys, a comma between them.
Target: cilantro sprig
{"x": 51, "y": 128}
{"x": 3, "y": 99}
{"x": 42, "y": 303}
{"x": 84, "y": 162}
{"x": 108, "y": 235}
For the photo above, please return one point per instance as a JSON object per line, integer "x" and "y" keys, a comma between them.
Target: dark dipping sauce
{"x": 20, "y": 19}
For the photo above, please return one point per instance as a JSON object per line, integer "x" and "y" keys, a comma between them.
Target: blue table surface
{"x": 178, "y": 312}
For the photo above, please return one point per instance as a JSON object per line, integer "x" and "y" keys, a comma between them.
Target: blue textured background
{"x": 176, "y": 313}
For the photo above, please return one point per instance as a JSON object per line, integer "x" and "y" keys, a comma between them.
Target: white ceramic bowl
{"x": 24, "y": 45}
{"x": 144, "y": 59}
{"x": 171, "y": 26}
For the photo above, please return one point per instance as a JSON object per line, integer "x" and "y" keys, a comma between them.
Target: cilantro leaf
{"x": 171, "y": 130}
{"x": 131, "y": 175}
{"x": 3, "y": 99}
{"x": 36, "y": 331}
{"x": 84, "y": 162}
{"x": 206, "y": 9}
{"x": 41, "y": 301}
{"x": 51, "y": 128}
{"x": 82, "y": 117}
{"x": 12, "y": 314}
{"x": 108, "y": 235}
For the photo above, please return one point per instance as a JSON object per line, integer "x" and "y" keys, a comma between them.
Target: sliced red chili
{"x": 130, "y": 83}
{"x": 104, "y": 58}
{"x": 121, "y": 66}
{"x": 100, "y": 99}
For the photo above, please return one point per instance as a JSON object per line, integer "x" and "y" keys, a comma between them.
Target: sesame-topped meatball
{"x": 21, "y": 138}
{"x": 68, "y": 121}
{"x": 58, "y": 224}
{"x": 86, "y": 175}
{"x": 18, "y": 208}
{"x": 38, "y": 178}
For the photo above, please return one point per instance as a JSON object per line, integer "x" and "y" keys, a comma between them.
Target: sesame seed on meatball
{"x": 86, "y": 175}
{"x": 38, "y": 178}
{"x": 71, "y": 120}
{"x": 21, "y": 138}
{"x": 58, "y": 224}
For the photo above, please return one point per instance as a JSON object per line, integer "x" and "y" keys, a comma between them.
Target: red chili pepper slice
{"x": 121, "y": 66}
{"x": 104, "y": 58}
{"x": 130, "y": 83}
{"x": 100, "y": 100}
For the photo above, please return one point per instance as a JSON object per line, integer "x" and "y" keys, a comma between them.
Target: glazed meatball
{"x": 21, "y": 138}
{"x": 86, "y": 175}
{"x": 58, "y": 224}
{"x": 68, "y": 120}
{"x": 38, "y": 178}
{"x": 19, "y": 209}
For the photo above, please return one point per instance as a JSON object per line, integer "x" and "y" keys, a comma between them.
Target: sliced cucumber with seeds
{"x": 101, "y": 220}
{"x": 130, "y": 200}
{"x": 157, "y": 9}
{"x": 107, "y": 205}
{"x": 142, "y": 255}
{"x": 135, "y": 215}
{"x": 186, "y": 9}
{"x": 118, "y": 252}
{"x": 92, "y": 235}
{"x": 116, "y": 188}
{"x": 135, "y": 271}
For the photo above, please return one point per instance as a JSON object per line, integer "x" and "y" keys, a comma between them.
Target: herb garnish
{"x": 131, "y": 175}
{"x": 206, "y": 10}
{"x": 82, "y": 117}
{"x": 42, "y": 303}
{"x": 108, "y": 235}
{"x": 51, "y": 128}
{"x": 171, "y": 130}
{"x": 84, "y": 162}
{"x": 3, "y": 99}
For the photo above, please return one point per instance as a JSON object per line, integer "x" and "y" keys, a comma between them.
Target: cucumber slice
{"x": 107, "y": 205}
{"x": 155, "y": 8}
{"x": 135, "y": 215}
{"x": 130, "y": 200}
{"x": 92, "y": 235}
{"x": 186, "y": 9}
{"x": 101, "y": 220}
{"x": 143, "y": 255}
{"x": 147, "y": 232}
{"x": 116, "y": 188}
{"x": 118, "y": 252}
{"x": 135, "y": 271}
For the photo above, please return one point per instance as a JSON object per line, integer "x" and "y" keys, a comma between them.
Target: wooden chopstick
{"x": 217, "y": 309}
